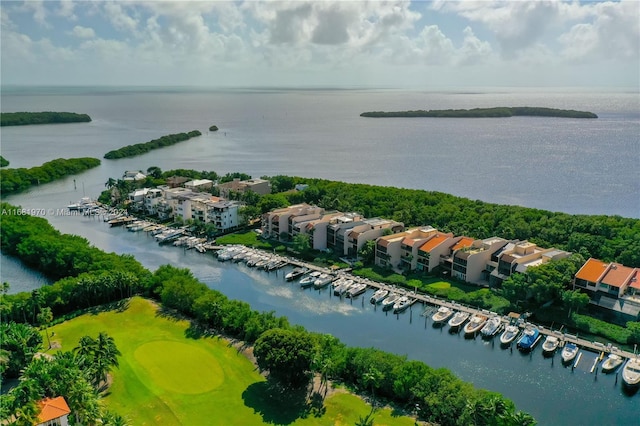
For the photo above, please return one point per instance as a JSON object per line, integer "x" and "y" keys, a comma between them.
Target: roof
{"x": 592, "y": 270}
{"x": 617, "y": 275}
{"x": 52, "y": 408}
{"x": 434, "y": 242}
{"x": 635, "y": 282}
{"x": 464, "y": 242}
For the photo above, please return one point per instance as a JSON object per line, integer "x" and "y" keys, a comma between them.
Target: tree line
{"x": 46, "y": 117}
{"x": 3, "y": 161}
{"x": 88, "y": 278}
{"x": 142, "y": 148}
{"x": 484, "y": 113}
{"x": 15, "y": 180}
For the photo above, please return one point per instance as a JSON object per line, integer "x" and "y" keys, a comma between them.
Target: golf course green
{"x": 165, "y": 377}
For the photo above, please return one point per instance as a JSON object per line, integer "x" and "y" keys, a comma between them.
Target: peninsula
{"x": 142, "y": 148}
{"x": 47, "y": 117}
{"x": 484, "y": 112}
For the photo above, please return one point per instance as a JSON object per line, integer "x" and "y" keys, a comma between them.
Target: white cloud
{"x": 119, "y": 17}
{"x": 83, "y": 32}
{"x": 36, "y": 7}
{"x": 67, "y": 10}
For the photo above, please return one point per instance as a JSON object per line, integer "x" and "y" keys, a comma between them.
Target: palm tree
{"x": 44, "y": 318}
{"x": 520, "y": 418}
{"x": 373, "y": 377}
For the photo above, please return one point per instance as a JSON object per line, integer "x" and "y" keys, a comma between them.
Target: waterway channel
{"x": 553, "y": 393}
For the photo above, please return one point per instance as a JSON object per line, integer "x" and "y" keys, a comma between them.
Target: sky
{"x": 384, "y": 44}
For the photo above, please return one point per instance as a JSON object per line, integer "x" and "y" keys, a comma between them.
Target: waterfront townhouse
{"x": 518, "y": 256}
{"x": 411, "y": 244}
{"x": 369, "y": 230}
{"x": 199, "y": 185}
{"x": 174, "y": 202}
{"x": 435, "y": 250}
{"x": 135, "y": 199}
{"x": 151, "y": 200}
{"x": 223, "y": 214}
{"x": 337, "y": 228}
{"x": 470, "y": 263}
{"x": 259, "y": 186}
{"x": 278, "y": 223}
{"x": 133, "y": 176}
{"x": 317, "y": 229}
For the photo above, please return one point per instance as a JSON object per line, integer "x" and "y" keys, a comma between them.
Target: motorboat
{"x": 295, "y": 274}
{"x": 309, "y": 279}
{"x": 550, "y": 344}
{"x": 569, "y": 352}
{"x": 509, "y": 334}
{"x": 530, "y": 336}
{"x": 401, "y": 304}
{"x": 389, "y": 301}
{"x": 475, "y": 324}
{"x": 631, "y": 372}
{"x": 612, "y": 362}
{"x": 458, "y": 319}
{"x": 378, "y": 296}
{"x": 442, "y": 314}
{"x": 491, "y": 327}
{"x": 344, "y": 288}
{"x": 356, "y": 289}
{"x": 323, "y": 280}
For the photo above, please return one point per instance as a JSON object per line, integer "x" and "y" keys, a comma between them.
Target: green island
{"x": 213, "y": 128}
{"x": 46, "y": 117}
{"x": 3, "y": 161}
{"x": 123, "y": 375}
{"x": 15, "y": 180}
{"x": 484, "y": 113}
{"x": 142, "y": 148}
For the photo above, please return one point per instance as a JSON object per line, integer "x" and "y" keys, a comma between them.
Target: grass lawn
{"x": 167, "y": 378}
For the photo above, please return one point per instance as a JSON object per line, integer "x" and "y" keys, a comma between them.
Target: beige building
{"x": 369, "y": 230}
{"x": 433, "y": 252}
{"x": 259, "y": 186}
{"x": 470, "y": 263}
{"x": 518, "y": 256}
{"x": 279, "y": 222}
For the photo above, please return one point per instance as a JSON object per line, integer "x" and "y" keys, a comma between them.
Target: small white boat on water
{"x": 458, "y": 319}
{"x": 323, "y": 280}
{"x": 631, "y": 372}
{"x": 491, "y": 327}
{"x": 309, "y": 279}
{"x": 550, "y": 345}
{"x": 295, "y": 274}
{"x": 389, "y": 301}
{"x": 356, "y": 289}
{"x": 378, "y": 296}
{"x": 442, "y": 314}
{"x": 401, "y": 304}
{"x": 475, "y": 324}
{"x": 509, "y": 334}
{"x": 611, "y": 362}
{"x": 569, "y": 352}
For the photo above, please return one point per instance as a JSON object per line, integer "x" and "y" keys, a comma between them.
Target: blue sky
{"x": 425, "y": 45}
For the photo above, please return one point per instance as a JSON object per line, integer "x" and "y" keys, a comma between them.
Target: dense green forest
{"x": 609, "y": 238}
{"x": 484, "y": 112}
{"x": 47, "y": 117}
{"x": 141, "y": 148}
{"x": 89, "y": 277}
{"x": 14, "y": 180}
{"x": 3, "y": 161}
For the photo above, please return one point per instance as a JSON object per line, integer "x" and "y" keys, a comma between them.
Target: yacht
{"x": 612, "y": 362}
{"x": 631, "y": 372}
{"x": 475, "y": 324}
{"x": 378, "y": 296}
{"x": 491, "y": 327}
{"x": 569, "y": 352}
{"x": 529, "y": 338}
{"x": 550, "y": 345}
{"x": 458, "y": 319}
{"x": 442, "y": 314}
{"x": 509, "y": 334}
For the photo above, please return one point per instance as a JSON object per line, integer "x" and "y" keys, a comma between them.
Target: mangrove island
{"x": 46, "y": 117}
{"x": 142, "y": 148}
{"x": 484, "y": 113}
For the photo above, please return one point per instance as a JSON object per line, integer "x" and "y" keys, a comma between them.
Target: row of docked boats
{"x": 251, "y": 257}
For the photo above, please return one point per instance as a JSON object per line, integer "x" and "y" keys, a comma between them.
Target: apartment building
{"x": 259, "y": 186}
{"x": 199, "y": 185}
{"x": 435, "y": 250}
{"x": 223, "y": 214}
{"x": 279, "y": 223}
{"x": 337, "y": 228}
{"x": 470, "y": 263}
{"x": 369, "y": 230}
{"x": 400, "y": 251}
{"x": 518, "y": 256}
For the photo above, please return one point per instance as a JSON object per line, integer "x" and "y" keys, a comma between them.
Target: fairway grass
{"x": 165, "y": 378}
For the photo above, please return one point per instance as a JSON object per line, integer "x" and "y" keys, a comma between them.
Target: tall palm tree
{"x": 44, "y": 318}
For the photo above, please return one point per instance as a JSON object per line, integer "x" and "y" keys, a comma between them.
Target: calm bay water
{"x": 576, "y": 166}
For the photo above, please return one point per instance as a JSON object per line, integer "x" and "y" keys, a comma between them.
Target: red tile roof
{"x": 52, "y": 408}
{"x": 617, "y": 275}
{"x": 591, "y": 270}
{"x": 433, "y": 242}
{"x": 635, "y": 279}
{"x": 464, "y": 242}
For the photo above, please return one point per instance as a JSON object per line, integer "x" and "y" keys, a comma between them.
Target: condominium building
{"x": 470, "y": 263}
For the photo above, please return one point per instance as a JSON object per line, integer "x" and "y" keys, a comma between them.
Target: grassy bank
{"x": 166, "y": 377}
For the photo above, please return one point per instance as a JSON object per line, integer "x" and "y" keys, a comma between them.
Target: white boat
{"x": 612, "y": 362}
{"x": 389, "y": 301}
{"x": 401, "y": 304}
{"x": 569, "y": 352}
{"x": 295, "y": 274}
{"x": 356, "y": 289}
{"x": 309, "y": 279}
{"x": 550, "y": 344}
{"x": 83, "y": 204}
{"x": 442, "y": 314}
{"x": 631, "y": 372}
{"x": 378, "y": 296}
{"x": 458, "y": 319}
{"x": 475, "y": 324}
{"x": 323, "y": 280}
{"x": 341, "y": 286}
{"x": 509, "y": 334}
{"x": 491, "y": 327}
